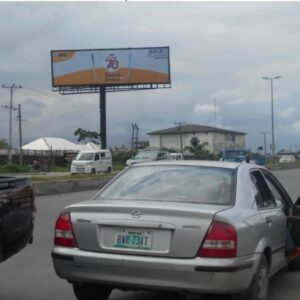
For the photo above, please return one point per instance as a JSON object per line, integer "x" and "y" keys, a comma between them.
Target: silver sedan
{"x": 182, "y": 226}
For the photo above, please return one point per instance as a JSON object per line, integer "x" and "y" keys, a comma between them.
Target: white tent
{"x": 53, "y": 143}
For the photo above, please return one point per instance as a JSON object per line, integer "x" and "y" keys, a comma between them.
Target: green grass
{"x": 118, "y": 166}
{"x": 13, "y": 168}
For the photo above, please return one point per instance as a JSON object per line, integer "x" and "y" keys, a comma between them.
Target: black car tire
{"x": 91, "y": 291}
{"x": 93, "y": 171}
{"x": 1, "y": 249}
{"x": 108, "y": 170}
{"x": 294, "y": 264}
{"x": 258, "y": 289}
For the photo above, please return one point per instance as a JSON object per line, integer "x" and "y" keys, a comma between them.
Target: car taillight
{"x": 64, "y": 235}
{"x": 220, "y": 241}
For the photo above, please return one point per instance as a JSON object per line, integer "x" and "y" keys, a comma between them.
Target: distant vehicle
{"x": 17, "y": 213}
{"x": 182, "y": 226}
{"x": 239, "y": 155}
{"x": 287, "y": 158}
{"x": 148, "y": 155}
{"x": 92, "y": 161}
{"x": 176, "y": 156}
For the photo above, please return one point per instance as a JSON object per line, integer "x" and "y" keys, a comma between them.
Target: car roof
{"x": 93, "y": 151}
{"x": 200, "y": 163}
{"x": 203, "y": 163}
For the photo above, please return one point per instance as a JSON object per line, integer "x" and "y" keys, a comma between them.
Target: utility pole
{"x": 265, "y": 140}
{"x": 134, "y": 136}
{"x": 11, "y": 88}
{"x": 180, "y": 133}
{"x": 20, "y": 120}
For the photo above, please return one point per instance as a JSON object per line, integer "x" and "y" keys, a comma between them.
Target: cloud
{"x": 288, "y": 112}
{"x": 231, "y": 97}
{"x": 201, "y": 109}
{"x": 218, "y": 51}
{"x": 296, "y": 126}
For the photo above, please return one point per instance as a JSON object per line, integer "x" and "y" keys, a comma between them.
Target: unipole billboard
{"x": 110, "y": 67}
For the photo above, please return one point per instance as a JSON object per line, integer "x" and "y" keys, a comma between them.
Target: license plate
{"x": 133, "y": 239}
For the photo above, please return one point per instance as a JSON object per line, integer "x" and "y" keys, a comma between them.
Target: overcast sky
{"x": 217, "y": 51}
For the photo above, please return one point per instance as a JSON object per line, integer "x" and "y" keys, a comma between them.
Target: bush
{"x": 121, "y": 157}
{"x": 13, "y": 168}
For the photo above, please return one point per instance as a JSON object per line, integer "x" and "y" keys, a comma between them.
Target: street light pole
{"x": 273, "y": 146}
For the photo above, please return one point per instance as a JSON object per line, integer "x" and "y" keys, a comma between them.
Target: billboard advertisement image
{"x": 110, "y": 66}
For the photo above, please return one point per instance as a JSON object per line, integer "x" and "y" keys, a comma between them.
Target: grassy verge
{"x": 70, "y": 177}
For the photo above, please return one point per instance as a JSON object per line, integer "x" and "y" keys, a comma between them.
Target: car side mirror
{"x": 297, "y": 203}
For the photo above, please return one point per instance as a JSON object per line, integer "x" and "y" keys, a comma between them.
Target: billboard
{"x": 128, "y": 66}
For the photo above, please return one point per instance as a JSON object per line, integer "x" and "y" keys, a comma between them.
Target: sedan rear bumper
{"x": 199, "y": 275}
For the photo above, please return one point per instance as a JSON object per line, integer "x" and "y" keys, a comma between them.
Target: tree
{"x": 196, "y": 147}
{"x": 92, "y": 136}
{"x": 3, "y": 144}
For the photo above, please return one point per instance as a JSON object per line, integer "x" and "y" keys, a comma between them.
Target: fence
{"x": 46, "y": 157}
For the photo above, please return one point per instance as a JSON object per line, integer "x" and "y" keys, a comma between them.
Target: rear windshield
{"x": 173, "y": 183}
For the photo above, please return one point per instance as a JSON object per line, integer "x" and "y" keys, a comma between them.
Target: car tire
{"x": 108, "y": 170}
{"x": 294, "y": 264}
{"x": 93, "y": 171}
{"x": 91, "y": 291}
{"x": 1, "y": 249}
{"x": 258, "y": 289}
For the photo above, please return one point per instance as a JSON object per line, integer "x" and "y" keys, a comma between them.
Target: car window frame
{"x": 285, "y": 196}
{"x": 268, "y": 207}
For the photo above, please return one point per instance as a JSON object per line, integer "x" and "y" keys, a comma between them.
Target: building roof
{"x": 191, "y": 128}
{"x": 54, "y": 143}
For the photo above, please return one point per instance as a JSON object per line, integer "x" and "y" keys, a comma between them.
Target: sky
{"x": 218, "y": 50}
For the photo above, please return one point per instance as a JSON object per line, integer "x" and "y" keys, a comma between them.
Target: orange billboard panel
{"x": 110, "y": 67}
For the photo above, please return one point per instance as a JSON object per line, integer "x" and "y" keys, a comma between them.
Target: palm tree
{"x": 196, "y": 147}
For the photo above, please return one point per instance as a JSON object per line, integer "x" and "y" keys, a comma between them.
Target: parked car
{"x": 92, "y": 161}
{"x": 17, "y": 213}
{"x": 183, "y": 226}
{"x": 287, "y": 158}
{"x": 148, "y": 155}
{"x": 176, "y": 156}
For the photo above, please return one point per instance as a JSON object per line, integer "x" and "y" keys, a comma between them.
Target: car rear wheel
{"x": 1, "y": 249}
{"x": 294, "y": 264}
{"x": 93, "y": 171}
{"x": 258, "y": 289}
{"x": 91, "y": 291}
{"x": 108, "y": 170}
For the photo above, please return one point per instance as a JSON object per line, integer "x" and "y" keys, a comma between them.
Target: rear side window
{"x": 175, "y": 184}
{"x": 263, "y": 196}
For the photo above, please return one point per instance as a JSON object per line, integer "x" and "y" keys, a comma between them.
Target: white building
{"x": 55, "y": 143}
{"x": 179, "y": 137}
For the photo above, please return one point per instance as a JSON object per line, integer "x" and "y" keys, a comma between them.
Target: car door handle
{"x": 269, "y": 220}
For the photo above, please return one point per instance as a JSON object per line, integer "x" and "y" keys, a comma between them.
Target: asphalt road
{"x": 29, "y": 275}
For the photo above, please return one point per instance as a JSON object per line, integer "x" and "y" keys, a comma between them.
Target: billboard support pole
{"x": 102, "y": 106}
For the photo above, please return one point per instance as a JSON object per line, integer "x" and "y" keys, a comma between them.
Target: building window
{"x": 230, "y": 138}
